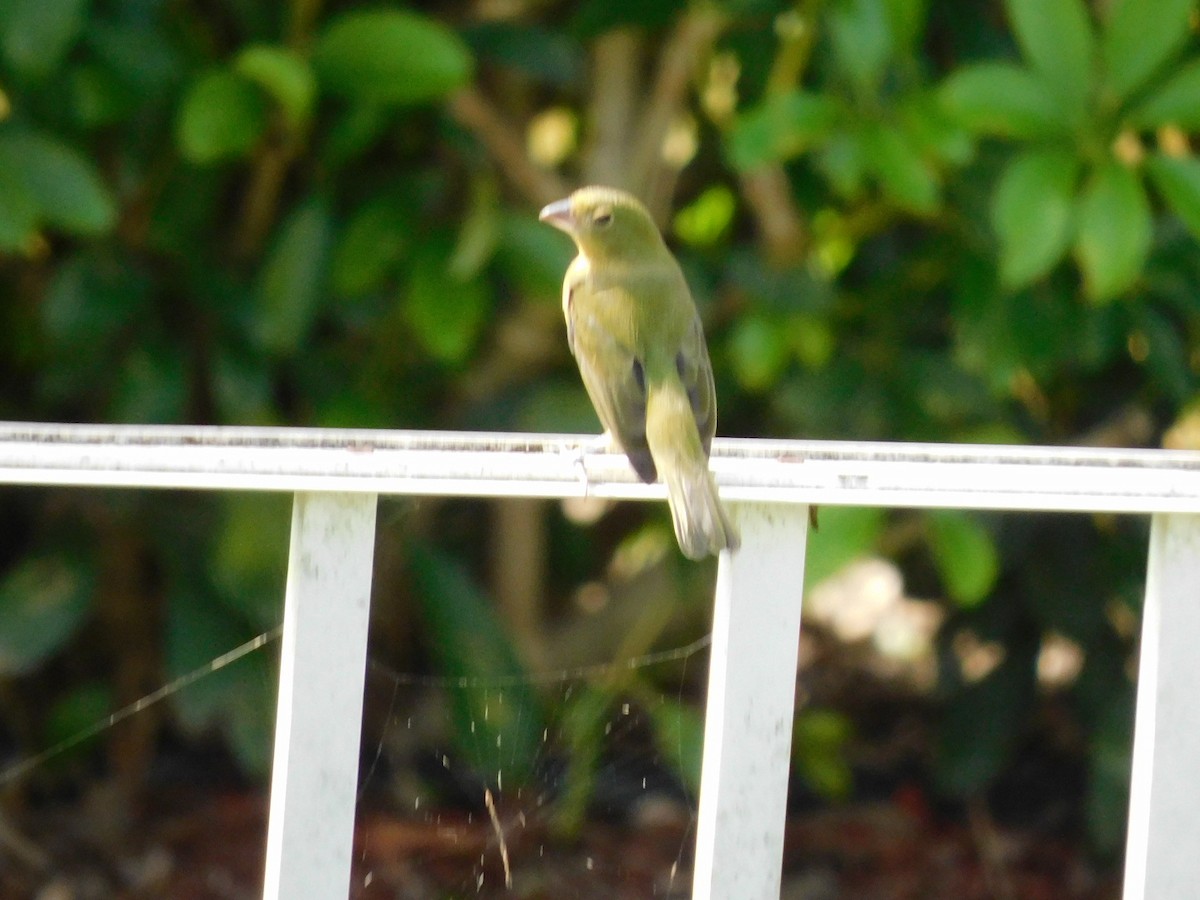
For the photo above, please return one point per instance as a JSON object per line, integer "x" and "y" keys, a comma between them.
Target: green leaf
{"x": 1168, "y": 359}
{"x": 292, "y": 282}
{"x": 1031, "y": 213}
{"x": 354, "y": 132}
{"x": 1139, "y": 38}
{"x": 906, "y": 21}
{"x": 758, "y": 349}
{"x": 979, "y": 723}
{"x": 706, "y": 219}
{"x": 1178, "y": 180}
{"x": 391, "y": 56}
{"x": 679, "y": 736}
{"x": 594, "y": 17}
{"x": 812, "y": 339}
{"x": 152, "y": 385}
{"x": 36, "y": 35}
{"x": 533, "y": 256}
{"x": 906, "y": 178}
{"x": 239, "y": 698}
{"x": 1114, "y": 231}
{"x": 249, "y": 561}
{"x": 862, "y": 39}
{"x": 88, "y": 304}
{"x": 1003, "y": 100}
{"x": 845, "y": 534}
{"x": 371, "y": 246}
{"x": 447, "y": 313}
{"x": 581, "y": 732}
{"x": 284, "y": 75}
{"x": 43, "y": 601}
{"x": 841, "y": 161}
{"x": 1107, "y": 803}
{"x": 779, "y": 128}
{"x": 933, "y": 131}
{"x": 243, "y": 386}
{"x": 139, "y": 53}
{"x": 74, "y": 714}
{"x": 1004, "y": 336}
{"x": 539, "y": 52}
{"x": 1056, "y": 37}
{"x": 222, "y": 116}
{"x": 18, "y": 210}
{"x": 965, "y": 554}
{"x": 497, "y": 727}
{"x": 63, "y": 187}
{"x": 99, "y": 97}
{"x": 478, "y": 231}
{"x": 820, "y": 739}
{"x": 1177, "y": 102}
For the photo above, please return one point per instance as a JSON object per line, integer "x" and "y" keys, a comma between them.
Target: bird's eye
{"x": 602, "y": 219}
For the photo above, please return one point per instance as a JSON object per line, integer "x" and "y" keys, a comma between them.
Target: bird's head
{"x": 605, "y": 223}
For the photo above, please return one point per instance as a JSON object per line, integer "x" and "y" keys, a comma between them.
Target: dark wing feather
{"x": 695, "y": 371}
{"x": 615, "y": 382}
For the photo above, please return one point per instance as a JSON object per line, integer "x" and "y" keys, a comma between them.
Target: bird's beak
{"x": 559, "y": 215}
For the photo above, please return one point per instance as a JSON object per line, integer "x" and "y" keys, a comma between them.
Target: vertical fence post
{"x": 322, "y": 669}
{"x": 751, "y": 694}
{"x": 1162, "y": 861}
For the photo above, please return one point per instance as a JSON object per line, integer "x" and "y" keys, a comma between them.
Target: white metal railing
{"x": 336, "y": 476}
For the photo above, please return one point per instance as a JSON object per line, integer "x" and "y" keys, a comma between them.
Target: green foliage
{"x": 1075, "y": 103}
{"x": 1056, "y": 39}
{"x": 707, "y": 218}
{"x": 249, "y": 559}
{"x": 285, "y": 76}
{"x": 781, "y": 127}
{"x": 819, "y": 743}
{"x": 471, "y": 646}
{"x": 965, "y": 554}
{"x": 981, "y": 722}
{"x": 1178, "y": 180}
{"x": 1114, "y": 231}
{"x": 43, "y": 601}
{"x": 1174, "y": 103}
{"x": 291, "y": 286}
{"x": 1033, "y": 214}
{"x": 447, "y": 311}
{"x": 390, "y": 56}
{"x": 902, "y": 220}
{"x": 35, "y": 35}
{"x": 844, "y": 534}
{"x": 679, "y": 731}
{"x": 222, "y": 116}
{"x": 76, "y": 712}
{"x": 1002, "y": 99}
{"x": 1140, "y": 37}
{"x": 48, "y": 184}
{"x": 237, "y": 701}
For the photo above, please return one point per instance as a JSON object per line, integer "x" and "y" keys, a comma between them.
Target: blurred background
{"x": 901, "y": 219}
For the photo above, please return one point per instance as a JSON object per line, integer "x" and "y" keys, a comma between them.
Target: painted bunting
{"x": 634, "y": 331}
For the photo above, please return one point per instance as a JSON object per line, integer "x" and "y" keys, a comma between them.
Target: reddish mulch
{"x": 212, "y": 847}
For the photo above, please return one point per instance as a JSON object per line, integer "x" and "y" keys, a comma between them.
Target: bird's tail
{"x": 702, "y": 526}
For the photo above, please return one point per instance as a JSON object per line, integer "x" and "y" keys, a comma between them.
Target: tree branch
{"x": 685, "y": 50}
{"x": 506, "y": 147}
{"x": 616, "y": 85}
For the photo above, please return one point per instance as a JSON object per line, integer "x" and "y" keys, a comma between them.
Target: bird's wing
{"x": 695, "y": 371}
{"x": 612, "y": 374}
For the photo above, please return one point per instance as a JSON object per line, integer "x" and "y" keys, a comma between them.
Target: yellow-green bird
{"x": 634, "y": 331}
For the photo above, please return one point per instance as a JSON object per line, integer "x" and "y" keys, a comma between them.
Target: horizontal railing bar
{"x": 535, "y": 465}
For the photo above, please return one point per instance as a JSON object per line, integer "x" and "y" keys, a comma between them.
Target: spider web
{"x": 600, "y": 810}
